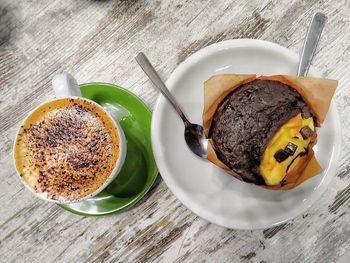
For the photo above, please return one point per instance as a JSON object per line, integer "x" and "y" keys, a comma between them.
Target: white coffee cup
{"x": 66, "y": 87}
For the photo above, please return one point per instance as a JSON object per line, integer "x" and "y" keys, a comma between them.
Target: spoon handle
{"x": 311, "y": 41}
{"x": 154, "y": 77}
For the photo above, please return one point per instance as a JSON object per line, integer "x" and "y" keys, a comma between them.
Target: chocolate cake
{"x": 248, "y": 118}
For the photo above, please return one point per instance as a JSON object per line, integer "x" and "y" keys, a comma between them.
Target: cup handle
{"x": 65, "y": 85}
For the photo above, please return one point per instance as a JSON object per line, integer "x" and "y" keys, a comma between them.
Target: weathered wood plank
{"x": 96, "y": 41}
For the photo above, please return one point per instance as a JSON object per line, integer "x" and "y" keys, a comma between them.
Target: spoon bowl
{"x": 196, "y": 140}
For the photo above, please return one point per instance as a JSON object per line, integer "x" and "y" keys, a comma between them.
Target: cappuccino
{"x": 66, "y": 149}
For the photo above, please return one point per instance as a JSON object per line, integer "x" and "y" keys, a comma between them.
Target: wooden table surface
{"x": 97, "y": 41}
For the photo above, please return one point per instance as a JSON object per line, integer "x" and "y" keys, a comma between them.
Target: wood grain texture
{"x": 97, "y": 41}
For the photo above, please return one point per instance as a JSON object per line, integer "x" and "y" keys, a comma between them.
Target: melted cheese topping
{"x": 272, "y": 171}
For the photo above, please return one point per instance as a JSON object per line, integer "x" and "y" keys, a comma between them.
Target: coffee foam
{"x": 66, "y": 149}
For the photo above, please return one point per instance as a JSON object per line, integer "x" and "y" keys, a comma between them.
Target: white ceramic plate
{"x": 206, "y": 189}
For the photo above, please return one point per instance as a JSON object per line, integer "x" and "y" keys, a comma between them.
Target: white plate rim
{"x": 181, "y": 68}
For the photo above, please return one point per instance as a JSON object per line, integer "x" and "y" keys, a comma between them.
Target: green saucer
{"x": 139, "y": 170}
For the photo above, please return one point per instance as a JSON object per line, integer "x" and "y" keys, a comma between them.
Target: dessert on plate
{"x": 262, "y": 130}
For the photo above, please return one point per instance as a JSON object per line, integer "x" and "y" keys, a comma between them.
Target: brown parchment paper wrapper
{"x": 316, "y": 92}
